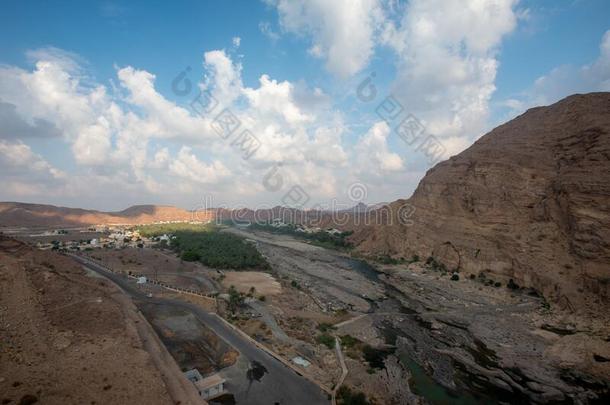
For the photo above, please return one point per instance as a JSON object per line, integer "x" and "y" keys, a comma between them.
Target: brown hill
{"x": 14, "y": 214}
{"x": 529, "y": 201}
{"x": 67, "y": 337}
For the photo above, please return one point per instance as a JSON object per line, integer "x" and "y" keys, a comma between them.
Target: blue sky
{"x": 460, "y": 69}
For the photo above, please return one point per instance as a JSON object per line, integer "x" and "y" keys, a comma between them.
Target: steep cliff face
{"x": 529, "y": 201}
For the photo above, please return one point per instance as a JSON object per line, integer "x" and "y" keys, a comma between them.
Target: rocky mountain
{"x": 529, "y": 201}
{"x": 14, "y": 214}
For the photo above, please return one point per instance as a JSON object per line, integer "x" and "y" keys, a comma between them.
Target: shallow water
{"x": 420, "y": 382}
{"x": 423, "y": 385}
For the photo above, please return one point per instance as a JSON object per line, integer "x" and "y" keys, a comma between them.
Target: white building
{"x": 208, "y": 387}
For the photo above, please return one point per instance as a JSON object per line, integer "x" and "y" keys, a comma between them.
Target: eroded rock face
{"x": 529, "y": 201}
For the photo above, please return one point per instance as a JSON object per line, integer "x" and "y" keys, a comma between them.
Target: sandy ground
{"x": 263, "y": 283}
{"x": 65, "y": 338}
{"x": 161, "y": 265}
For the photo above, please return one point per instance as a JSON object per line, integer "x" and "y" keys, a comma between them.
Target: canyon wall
{"x": 529, "y": 201}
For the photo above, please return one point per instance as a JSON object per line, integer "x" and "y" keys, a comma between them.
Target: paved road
{"x": 278, "y": 385}
{"x": 269, "y": 320}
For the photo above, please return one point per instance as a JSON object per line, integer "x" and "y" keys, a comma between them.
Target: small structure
{"x": 301, "y": 361}
{"x": 141, "y": 280}
{"x": 208, "y": 387}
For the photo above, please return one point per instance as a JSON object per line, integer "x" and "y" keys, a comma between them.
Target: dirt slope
{"x": 65, "y": 339}
{"x": 528, "y": 201}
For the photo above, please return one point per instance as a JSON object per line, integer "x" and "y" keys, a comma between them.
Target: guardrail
{"x": 154, "y": 282}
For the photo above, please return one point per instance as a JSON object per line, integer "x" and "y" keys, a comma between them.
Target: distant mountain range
{"x": 15, "y": 214}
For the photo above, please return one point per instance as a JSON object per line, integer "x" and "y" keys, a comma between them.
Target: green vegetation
{"x": 236, "y": 299}
{"x": 326, "y": 340}
{"x": 320, "y": 238}
{"x": 295, "y": 284}
{"x": 152, "y": 230}
{"x": 455, "y": 277}
{"x": 433, "y": 264}
{"x": 345, "y": 396}
{"x": 545, "y": 304}
{"x": 375, "y": 357}
{"x": 325, "y": 327}
{"x": 348, "y": 341}
{"x": 387, "y": 259}
{"x": 190, "y": 256}
{"x": 206, "y": 244}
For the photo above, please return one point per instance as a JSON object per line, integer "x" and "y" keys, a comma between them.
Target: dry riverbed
{"x": 458, "y": 341}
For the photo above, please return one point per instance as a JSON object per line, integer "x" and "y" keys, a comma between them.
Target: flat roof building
{"x": 208, "y": 387}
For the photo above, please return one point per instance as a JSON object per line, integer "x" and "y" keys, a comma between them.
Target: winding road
{"x": 279, "y": 385}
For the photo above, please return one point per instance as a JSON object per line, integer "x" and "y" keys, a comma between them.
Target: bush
{"x": 455, "y": 277}
{"x": 387, "y": 259}
{"x": 375, "y": 357}
{"x": 294, "y": 284}
{"x": 325, "y": 327}
{"x": 235, "y": 299}
{"x": 498, "y": 284}
{"x": 262, "y": 298}
{"x": 190, "y": 256}
{"x": 435, "y": 265}
{"x": 345, "y": 396}
{"x": 348, "y": 341}
{"x": 326, "y": 340}
{"x": 511, "y": 284}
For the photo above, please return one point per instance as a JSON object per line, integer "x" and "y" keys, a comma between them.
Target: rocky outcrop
{"x": 529, "y": 201}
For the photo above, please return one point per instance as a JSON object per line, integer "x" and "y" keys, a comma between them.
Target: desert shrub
{"x": 325, "y": 327}
{"x": 348, "y": 341}
{"x": 326, "y": 340}
{"x": 236, "y": 300}
{"x": 341, "y": 312}
{"x": 295, "y": 284}
{"x": 433, "y": 264}
{"x": 455, "y": 277}
{"x": 497, "y": 284}
{"x": 345, "y": 396}
{"x": 375, "y": 357}
{"x": 472, "y": 276}
{"x": 512, "y": 285}
{"x": 387, "y": 259}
